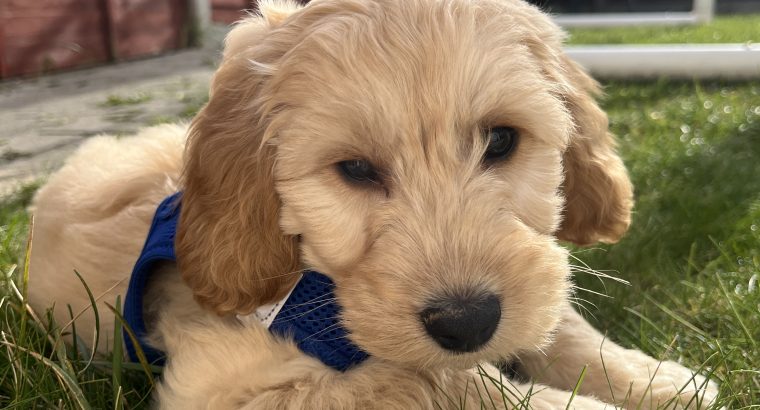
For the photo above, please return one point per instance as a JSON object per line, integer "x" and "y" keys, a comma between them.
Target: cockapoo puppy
{"x": 425, "y": 156}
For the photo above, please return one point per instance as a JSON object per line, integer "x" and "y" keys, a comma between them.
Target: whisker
{"x": 320, "y": 298}
{"x": 593, "y": 292}
{"x": 583, "y": 267}
{"x": 282, "y": 275}
{"x": 295, "y": 316}
{"x": 325, "y": 330}
{"x": 583, "y": 307}
{"x": 579, "y": 299}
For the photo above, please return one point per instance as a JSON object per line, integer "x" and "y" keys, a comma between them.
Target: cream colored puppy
{"x": 426, "y": 155}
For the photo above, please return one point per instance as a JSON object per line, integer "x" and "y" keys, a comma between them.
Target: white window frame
{"x": 702, "y": 12}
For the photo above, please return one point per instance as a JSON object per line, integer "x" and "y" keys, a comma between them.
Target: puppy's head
{"x": 426, "y": 155}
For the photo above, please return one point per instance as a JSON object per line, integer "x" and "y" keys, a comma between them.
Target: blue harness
{"x": 309, "y": 316}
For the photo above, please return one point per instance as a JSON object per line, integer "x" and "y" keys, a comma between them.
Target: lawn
{"x": 692, "y": 256}
{"x": 727, "y": 29}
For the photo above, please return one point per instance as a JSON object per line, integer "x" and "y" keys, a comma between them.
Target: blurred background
{"x": 49, "y": 35}
{"x": 623, "y": 6}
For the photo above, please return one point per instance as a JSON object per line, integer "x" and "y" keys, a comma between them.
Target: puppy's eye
{"x": 501, "y": 142}
{"x": 359, "y": 170}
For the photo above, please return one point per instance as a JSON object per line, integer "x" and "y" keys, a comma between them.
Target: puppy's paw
{"x": 670, "y": 385}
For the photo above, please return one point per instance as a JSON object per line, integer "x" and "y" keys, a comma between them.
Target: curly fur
{"x": 410, "y": 86}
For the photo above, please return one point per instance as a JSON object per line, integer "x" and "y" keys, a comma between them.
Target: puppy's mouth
{"x": 462, "y": 323}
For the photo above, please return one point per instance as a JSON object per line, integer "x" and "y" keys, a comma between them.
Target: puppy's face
{"x": 420, "y": 162}
{"x": 416, "y": 149}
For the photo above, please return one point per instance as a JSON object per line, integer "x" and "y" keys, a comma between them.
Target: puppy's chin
{"x": 443, "y": 359}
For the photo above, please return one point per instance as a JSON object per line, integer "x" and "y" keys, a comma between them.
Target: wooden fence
{"x": 39, "y": 36}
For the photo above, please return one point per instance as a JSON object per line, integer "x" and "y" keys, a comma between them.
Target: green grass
{"x": 192, "y": 102}
{"x": 692, "y": 254}
{"x": 724, "y": 29}
{"x": 37, "y": 369}
{"x": 115, "y": 100}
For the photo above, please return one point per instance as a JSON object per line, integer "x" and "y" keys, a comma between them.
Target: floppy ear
{"x": 230, "y": 249}
{"x": 598, "y": 192}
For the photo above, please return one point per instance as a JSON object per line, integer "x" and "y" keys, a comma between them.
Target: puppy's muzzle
{"x": 462, "y": 324}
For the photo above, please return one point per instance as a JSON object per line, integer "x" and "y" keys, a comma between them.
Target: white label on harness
{"x": 265, "y": 314}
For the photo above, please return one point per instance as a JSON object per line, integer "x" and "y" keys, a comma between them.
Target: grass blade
{"x": 577, "y": 387}
{"x": 118, "y": 358}
{"x": 96, "y": 335}
{"x": 147, "y": 368}
{"x": 69, "y": 381}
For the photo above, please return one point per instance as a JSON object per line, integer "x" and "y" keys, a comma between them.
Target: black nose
{"x": 462, "y": 324}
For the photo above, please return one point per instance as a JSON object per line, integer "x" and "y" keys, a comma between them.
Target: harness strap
{"x": 309, "y": 314}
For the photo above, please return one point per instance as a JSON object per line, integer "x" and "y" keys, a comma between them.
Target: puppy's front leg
{"x": 217, "y": 365}
{"x": 626, "y": 377}
{"x": 378, "y": 385}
